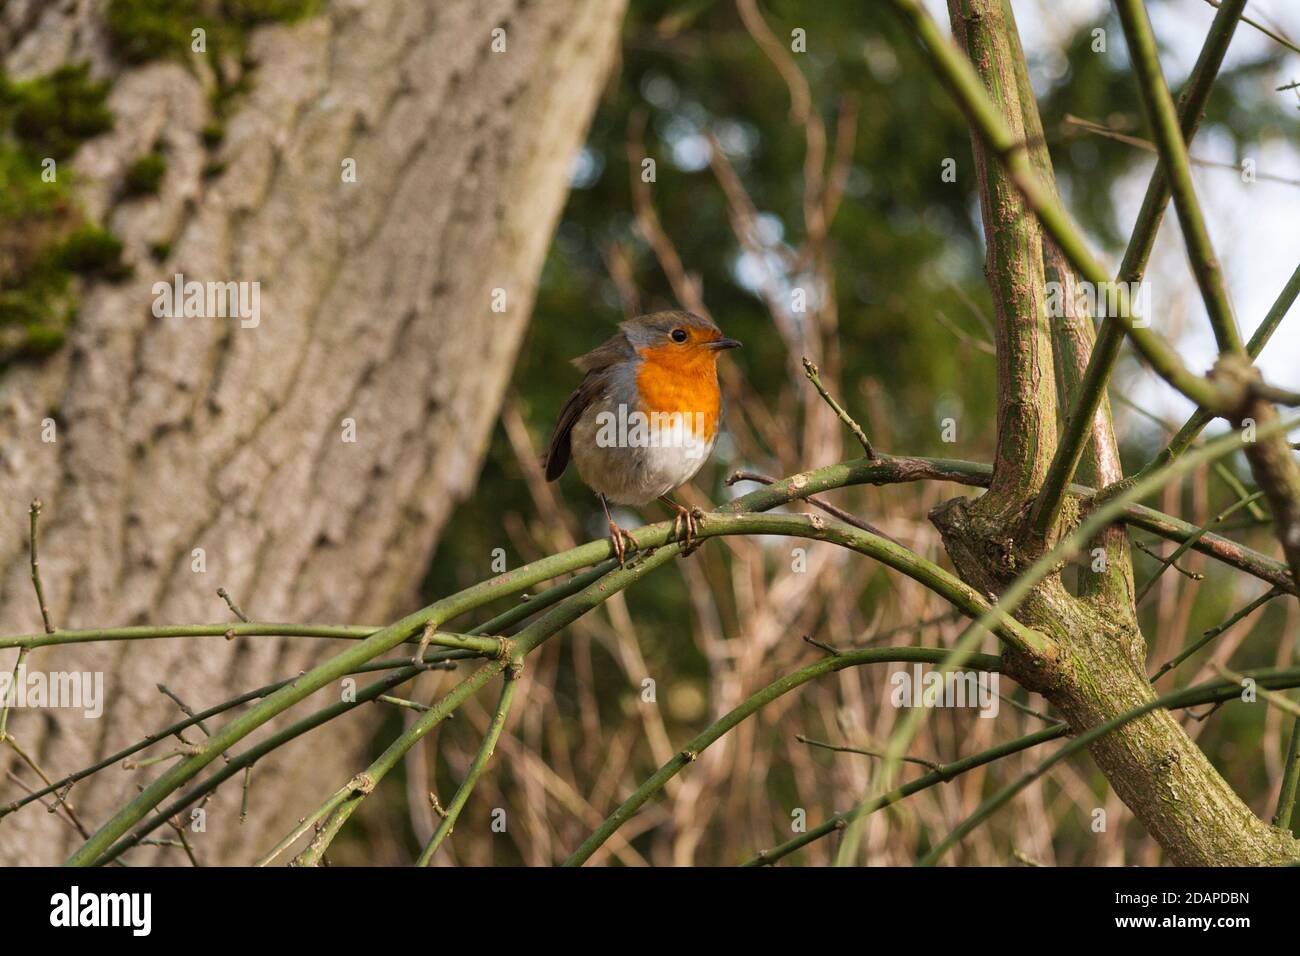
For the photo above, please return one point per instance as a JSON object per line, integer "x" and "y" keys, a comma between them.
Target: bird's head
{"x": 676, "y": 339}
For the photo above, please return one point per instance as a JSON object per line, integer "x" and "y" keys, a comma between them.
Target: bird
{"x": 644, "y": 418}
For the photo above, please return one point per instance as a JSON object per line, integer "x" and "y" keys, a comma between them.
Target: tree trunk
{"x": 178, "y": 434}
{"x": 1153, "y": 765}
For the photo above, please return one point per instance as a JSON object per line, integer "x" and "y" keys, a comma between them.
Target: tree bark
{"x": 1154, "y": 766}
{"x": 376, "y": 306}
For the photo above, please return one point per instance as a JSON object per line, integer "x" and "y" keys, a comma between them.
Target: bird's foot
{"x": 686, "y": 526}
{"x": 617, "y": 536}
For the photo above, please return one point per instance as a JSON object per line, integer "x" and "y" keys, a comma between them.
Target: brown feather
{"x": 598, "y": 364}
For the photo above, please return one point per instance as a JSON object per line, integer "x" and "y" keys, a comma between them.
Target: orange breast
{"x": 680, "y": 380}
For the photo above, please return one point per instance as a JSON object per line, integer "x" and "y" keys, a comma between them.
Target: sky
{"x": 1255, "y": 227}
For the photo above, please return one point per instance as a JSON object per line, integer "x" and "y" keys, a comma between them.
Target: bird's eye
{"x": 678, "y": 335}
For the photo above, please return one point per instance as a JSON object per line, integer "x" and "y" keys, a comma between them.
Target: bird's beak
{"x": 719, "y": 344}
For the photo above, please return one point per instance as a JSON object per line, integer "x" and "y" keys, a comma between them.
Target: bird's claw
{"x": 617, "y": 536}
{"x": 686, "y": 526}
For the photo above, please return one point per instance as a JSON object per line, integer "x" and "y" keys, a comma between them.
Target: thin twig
{"x": 815, "y": 500}
{"x": 1271, "y": 34}
{"x": 1029, "y": 711}
{"x": 1285, "y": 704}
{"x": 452, "y": 812}
{"x": 189, "y": 751}
{"x": 1098, "y": 129}
{"x": 51, "y": 808}
{"x": 963, "y": 335}
{"x": 1214, "y": 632}
{"x": 1187, "y": 545}
{"x": 36, "y": 569}
{"x": 37, "y": 769}
{"x": 1153, "y": 553}
{"x": 840, "y": 748}
{"x": 821, "y": 645}
{"x": 188, "y": 712}
{"x": 401, "y": 702}
{"x": 243, "y": 800}
{"x": 230, "y": 603}
{"x": 811, "y": 371}
{"x": 1092, "y": 389}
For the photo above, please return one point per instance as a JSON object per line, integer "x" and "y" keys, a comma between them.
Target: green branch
{"x": 699, "y": 743}
{"x": 1290, "y": 777}
{"x": 510, "y": 682}
{"x": 152, "y": 632}
{"x": 281, "y": 700}
{"x": 946, "y": 772}
{"x": 1275, "y": 469}
{"x": 1092, "y": 389}
{"x": 943, "y": 774}
{"x": 1212, "y": 633}
{"x": 1190, "y": 542}
{"x": 1029, "y": 642}
{"x": 249, "y": 757}
{"x": 1104, "y": 510}
{"x": 373, "y": 775}
{"x": 1200, "y": 418}
{"x": 728, "y": 520}
{"x": 957, "y": 74}
{"x": 1163, "y": 117}
{"x": 374, "y": 691}
{"x": 437, "y": 660}
{"x": 1204, "y": 693}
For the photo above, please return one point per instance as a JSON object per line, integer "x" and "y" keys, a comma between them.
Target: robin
{"x": 645, "y": 416}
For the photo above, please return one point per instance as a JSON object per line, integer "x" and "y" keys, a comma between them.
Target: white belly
{"x": 633, "y": 466}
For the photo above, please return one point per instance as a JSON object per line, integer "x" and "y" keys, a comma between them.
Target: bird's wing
{"x": 557, "y": 453}
{"x": 600, "y": 365}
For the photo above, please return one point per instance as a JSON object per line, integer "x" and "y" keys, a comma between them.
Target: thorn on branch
{"x": 816, "y": 501}
{"x": 827, "y": 648}
{"x": 1207, "y": 713}
{"x": 418, "y": 659}
{"x": 36, "y": 569}
{"x": 187, "y": 750}
{"x": 1153, "y": 553}
{"x": 234, "y": 608}
{"x": 243, "y": 803}
{"x": 189, "y": 712}
{"x": 402, "y": 702}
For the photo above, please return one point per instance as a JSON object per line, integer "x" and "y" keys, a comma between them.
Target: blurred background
{"x": 819, "y": 171}
{"x": 904, "y": 281}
